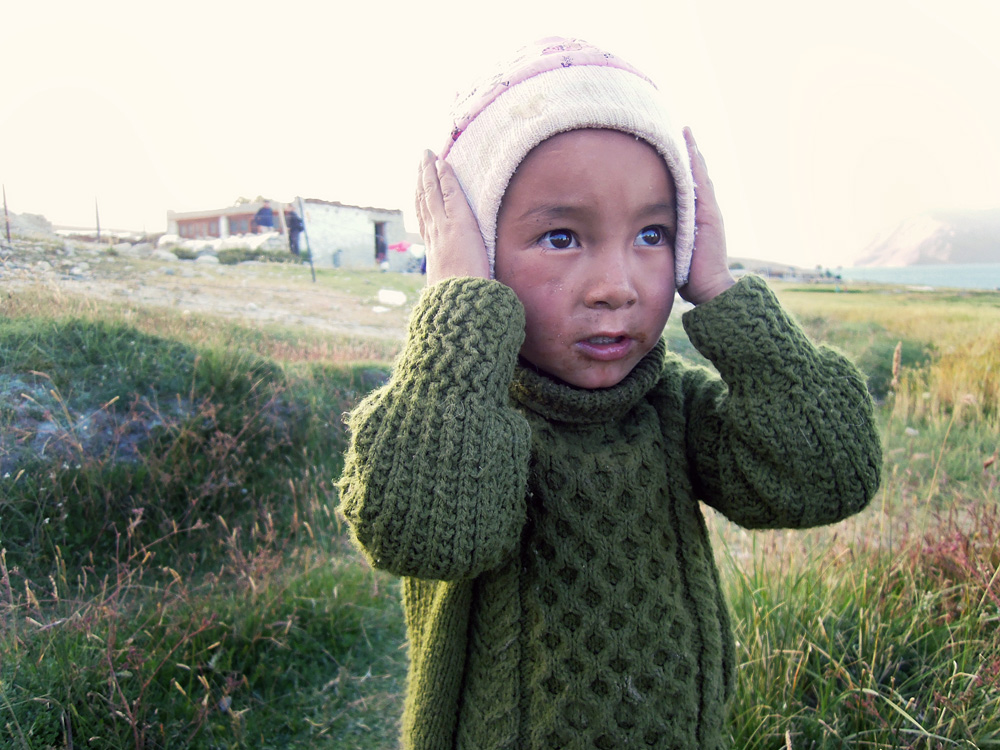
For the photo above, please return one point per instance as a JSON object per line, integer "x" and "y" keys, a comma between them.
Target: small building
{"x": 346, "y": 236}
{"x": 339, "y": 235}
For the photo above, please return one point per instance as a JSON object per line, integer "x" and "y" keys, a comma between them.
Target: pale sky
{"x": 823, "y": 124}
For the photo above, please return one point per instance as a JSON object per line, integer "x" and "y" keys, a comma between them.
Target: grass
{"x": 172, "y": 573}
{"x": 884, "y": 631}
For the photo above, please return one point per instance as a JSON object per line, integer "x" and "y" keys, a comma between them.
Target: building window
{"x": 239, "y": 225}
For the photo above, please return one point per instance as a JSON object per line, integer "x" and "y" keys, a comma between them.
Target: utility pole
{"x": 305, "y": 233}
{"x": 6, "y": 216}
{"x": 97, "y": 215}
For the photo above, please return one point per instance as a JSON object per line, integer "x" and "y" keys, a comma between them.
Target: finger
{"x": 428, "y": 187}
{"x": 699, "y": 169}
{"x": 418, "y": 202}
{"x": 706, "y": 206}
{"x": 428, "y": 197}
{"x": 450, "y": 190}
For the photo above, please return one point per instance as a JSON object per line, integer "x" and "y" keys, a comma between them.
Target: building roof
{"x": 251, "y": 208}
{"x": 348, "y": 205}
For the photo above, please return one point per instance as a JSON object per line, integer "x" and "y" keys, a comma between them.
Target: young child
{"x": 534, "y": 467}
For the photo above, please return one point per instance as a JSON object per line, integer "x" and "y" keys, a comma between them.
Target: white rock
{"x": 164, "y": 255}
{"x": 207, "y": 258}
{"x": 391, "y": 297}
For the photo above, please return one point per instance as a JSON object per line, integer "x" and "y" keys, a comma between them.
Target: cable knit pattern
{"x": 560, "y": 589}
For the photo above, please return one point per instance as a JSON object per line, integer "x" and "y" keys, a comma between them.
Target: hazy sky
{"x": 823, "y": 123}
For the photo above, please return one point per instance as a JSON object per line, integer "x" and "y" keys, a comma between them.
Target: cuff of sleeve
{"x": 742, "y": 327}
{"x": 462, "y": 328}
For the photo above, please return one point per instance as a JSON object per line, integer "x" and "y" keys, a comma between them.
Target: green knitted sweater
{"x": 559, "y": 586}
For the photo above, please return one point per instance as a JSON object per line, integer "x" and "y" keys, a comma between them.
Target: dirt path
{"x": 354, "y": 304}
{"x": 347, "y": 304}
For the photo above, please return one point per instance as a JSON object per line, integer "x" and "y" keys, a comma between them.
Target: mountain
{"x": 955, "y": 237}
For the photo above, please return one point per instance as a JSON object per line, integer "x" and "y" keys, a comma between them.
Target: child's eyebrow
{"x": 552, "y": 211}
{"x": 659, "y": 209}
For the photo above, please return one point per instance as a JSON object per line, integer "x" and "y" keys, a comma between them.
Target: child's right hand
{"x": 451, "y": 233}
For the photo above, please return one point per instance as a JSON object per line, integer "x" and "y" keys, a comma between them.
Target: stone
{"x": 391, "y": 297}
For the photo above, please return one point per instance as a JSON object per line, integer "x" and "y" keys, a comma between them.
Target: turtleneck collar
{"x": 559, "y": 402}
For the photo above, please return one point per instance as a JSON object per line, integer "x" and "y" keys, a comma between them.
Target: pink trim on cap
{"x": 544, "y": 55}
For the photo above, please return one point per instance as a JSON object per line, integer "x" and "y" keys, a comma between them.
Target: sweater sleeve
{"x": 789, "y": 438}
{"x": 436, "y": 469}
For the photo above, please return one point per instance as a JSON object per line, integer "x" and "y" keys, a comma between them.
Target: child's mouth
{"x": 606, "y": 348}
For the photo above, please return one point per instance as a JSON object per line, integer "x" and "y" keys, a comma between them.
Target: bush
{"x": 105, "y": 428}
{"x": 232, "y": 256}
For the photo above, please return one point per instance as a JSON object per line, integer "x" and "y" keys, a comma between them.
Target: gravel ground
{"x": 35, "y": 421}
{"x": 274, "y": 293}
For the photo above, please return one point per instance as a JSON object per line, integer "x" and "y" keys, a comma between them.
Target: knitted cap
{"x": 551, "y": 87}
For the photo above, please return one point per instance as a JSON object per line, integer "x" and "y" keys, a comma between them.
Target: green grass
{"x": 173, "y": 573}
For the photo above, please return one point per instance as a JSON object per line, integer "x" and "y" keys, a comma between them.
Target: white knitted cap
{"x": 554, "y": 86}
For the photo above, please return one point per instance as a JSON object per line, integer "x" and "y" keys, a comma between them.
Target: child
{"x": 534, "y": 467}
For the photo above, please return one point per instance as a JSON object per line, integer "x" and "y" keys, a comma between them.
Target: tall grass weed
{"x": 173, "y": 573}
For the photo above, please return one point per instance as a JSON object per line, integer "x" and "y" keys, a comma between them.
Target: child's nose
{"x": 611, "y": 287}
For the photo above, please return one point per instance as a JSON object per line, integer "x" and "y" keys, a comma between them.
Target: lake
{"x": 954, "y": 275}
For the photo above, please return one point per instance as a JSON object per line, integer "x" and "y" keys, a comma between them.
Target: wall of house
{"x": 344, "y": 236}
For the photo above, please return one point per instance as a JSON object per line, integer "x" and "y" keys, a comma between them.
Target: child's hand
{"x": 449, "y": 228}
{"x": 709, "y": 264}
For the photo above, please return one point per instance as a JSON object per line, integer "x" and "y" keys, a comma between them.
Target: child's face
{"x": 585, "y": 239}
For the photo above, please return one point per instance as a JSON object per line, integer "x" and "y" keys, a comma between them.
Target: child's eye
{"x": 653, "y": 236}
{"x": 558, "y": 239}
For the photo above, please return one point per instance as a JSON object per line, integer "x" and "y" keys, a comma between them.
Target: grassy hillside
{"x": 173, "y": 573}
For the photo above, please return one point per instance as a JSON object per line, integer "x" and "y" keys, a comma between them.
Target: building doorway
{"x": 381, "y": 246}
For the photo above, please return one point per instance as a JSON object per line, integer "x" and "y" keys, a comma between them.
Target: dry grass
{"x": 255, "y": 625}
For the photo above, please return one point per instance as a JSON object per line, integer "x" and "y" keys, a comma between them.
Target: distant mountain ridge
{"x": 945, "y": 237}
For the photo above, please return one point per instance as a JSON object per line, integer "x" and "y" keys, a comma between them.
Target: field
{"x": 173, "y": 572}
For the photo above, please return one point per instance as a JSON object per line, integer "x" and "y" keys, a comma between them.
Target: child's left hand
{"x": 449, "y": 228}
{"x": 709, "y": 274}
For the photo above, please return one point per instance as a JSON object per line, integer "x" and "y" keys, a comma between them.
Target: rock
{"x": 163, "y": 255}
{"x": 207, "y": 258}
{"x": 143, "y": 247}
{"x": 199, "y": 247}
{"x": 29, "y": 225}
{"x": 391, "y": 297}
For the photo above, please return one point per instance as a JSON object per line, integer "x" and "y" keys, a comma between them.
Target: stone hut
{"x": 340, "y": 235}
